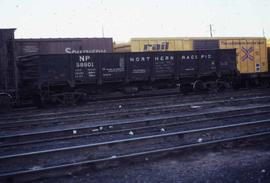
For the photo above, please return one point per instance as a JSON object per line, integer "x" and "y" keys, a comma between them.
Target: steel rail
{"x": 126, "y": 146}
{"x": 34, "y": 174}
{"x": 162, "y": 122}
{"x": 134, "y": 112}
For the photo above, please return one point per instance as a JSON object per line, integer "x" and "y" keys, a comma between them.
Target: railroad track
{"x": 126, "y": 103}
{"x": 57, "y": 146}
{"x": 96, "y": 100}
{"x": 75, "y": 121}
{"x": 50, "y": 162}
{"x": 91, "y": 134}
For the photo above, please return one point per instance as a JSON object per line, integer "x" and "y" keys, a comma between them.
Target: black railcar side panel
{"x": 207, "y": 62}
{"x": 187, "y": 65}
{"x": 7, "y": 61}
{"x": 227, "y": 62}
{"x": 85, "y": 68}
{"x": 139, "y": 66}
{"x": 118, "y": 67}
{"x": 164, "y": 65}
{"x": 55, "y": 69}
{"x": 112, "y": 67}
{"x": 197, "y": 63}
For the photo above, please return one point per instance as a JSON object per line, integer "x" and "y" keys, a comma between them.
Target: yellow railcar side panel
{"x": 179, "y": 45}
{"x": 236, "y": 45}
{"x": 161, "y": 45}
{"x": 243, "y": 63}
{"x": 171, "y": 45}
{"x": 250, "y": 50}
{"x": 264, "y": 61}
{"x": 135, "y": 46}
{"x": 146, "y": 45}
{"x": 257, "y": 57}
{"x": 188, "y": 44}
{"x": 251, "y": 54}
{"x": 182, "y": 44}
{"x": 142, "y": 43}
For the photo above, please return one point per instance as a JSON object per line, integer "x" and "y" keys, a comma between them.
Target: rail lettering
{"x": 163, "y": 46}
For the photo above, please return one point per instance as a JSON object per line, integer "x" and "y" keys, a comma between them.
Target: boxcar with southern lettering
{"x": 63, "y": 46}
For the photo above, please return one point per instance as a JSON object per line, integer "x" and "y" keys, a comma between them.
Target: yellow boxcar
{"x": 251, "y": 52}
{"x": 268, "y": 43}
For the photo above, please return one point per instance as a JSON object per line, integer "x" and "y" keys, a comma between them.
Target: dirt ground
{"x": 243, "y": 164}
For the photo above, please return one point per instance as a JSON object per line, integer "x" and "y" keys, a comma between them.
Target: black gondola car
{"x": 66, "y": 78}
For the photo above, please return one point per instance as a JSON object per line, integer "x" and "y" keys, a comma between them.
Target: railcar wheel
{"x": 62, "y": 99}
{"x": 198, "y": 86}
{"x": 81, "y": 96}
{"x": 69, "y": 98}
{"x": 211, "y": 87}
{"x": 221, "y": 85}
